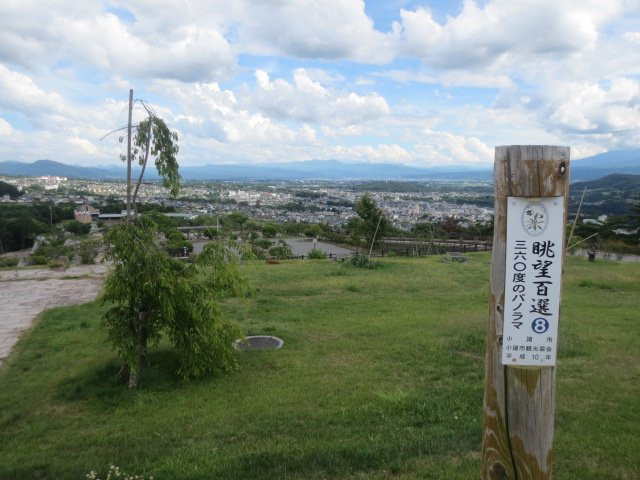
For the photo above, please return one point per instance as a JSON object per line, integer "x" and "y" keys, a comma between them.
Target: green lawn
{"x": 381, "y": 376}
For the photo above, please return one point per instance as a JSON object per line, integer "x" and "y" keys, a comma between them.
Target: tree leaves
{"x": 374, "y": 224}
{"x": 154, "y": 139}
{"x": 152, "y": 295}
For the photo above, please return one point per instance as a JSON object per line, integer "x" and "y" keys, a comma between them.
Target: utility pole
{"x": 373, "y": 240}
{"x": 129, "y": 155}
{"x": 531, "y": 204}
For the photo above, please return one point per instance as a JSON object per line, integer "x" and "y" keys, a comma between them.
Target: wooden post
{"x": 129, "y": 155}
{"x": 519, "y": 401}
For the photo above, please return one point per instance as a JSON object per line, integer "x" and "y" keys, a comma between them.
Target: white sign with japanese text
{"x": 533, "y": 279}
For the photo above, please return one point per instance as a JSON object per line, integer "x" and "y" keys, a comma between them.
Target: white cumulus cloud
{"x": 446, "y": 148}
{"x": 330, "y": 29}
{"x": 593, "y": 107}
{"x": 307, "y": 100}
{"x": 503, "y": 30}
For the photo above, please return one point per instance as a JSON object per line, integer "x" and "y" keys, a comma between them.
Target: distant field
{"x": 381, "y": 376}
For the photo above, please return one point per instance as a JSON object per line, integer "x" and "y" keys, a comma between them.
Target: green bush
{"x": 282, "y": 251}
{"x": 269, "y": 230}
{"x": 250, "y": 252}
{"x": 361, "y": 260}
{"x": 40, "y": 259}
{"x": 263, "y": 243}
{"x": 313, "y": 231}
{"x": 178, "y": 247}
{"x": 317, "y": 254}
{"x": 9, "y": 262}
{"x": 52, "y": 249}
{"x": 210, "y": 233}
{"x": 76, "y": 227}
{"x": 87, "y": 251}
{"x": 174, "y": 235}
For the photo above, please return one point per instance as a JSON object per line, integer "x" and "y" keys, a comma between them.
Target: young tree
{"x": 239, "y": 219}
{"x": 313, "y": 231}
{"x": 374, "y": 225}
{"x": 269, "y": 230}
{"x": 151, "y": 294}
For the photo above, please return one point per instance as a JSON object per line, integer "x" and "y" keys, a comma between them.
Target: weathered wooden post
{"x": 531, "y": 192}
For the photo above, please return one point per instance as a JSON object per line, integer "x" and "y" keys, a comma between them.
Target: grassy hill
{"x": 381, "y": 376}
{"x": 610, "y": 195}
{"x": 616, "y": 181}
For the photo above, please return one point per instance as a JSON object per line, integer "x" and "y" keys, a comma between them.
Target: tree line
{"x": 20, "y": 224}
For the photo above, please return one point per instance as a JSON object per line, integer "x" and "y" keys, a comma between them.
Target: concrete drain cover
{"x": 258, "y": 342}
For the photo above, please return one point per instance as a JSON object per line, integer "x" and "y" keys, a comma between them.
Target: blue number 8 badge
{"x": 540, "y": 325}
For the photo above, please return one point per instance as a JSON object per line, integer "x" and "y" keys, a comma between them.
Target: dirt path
{"x": 27, "y": 292}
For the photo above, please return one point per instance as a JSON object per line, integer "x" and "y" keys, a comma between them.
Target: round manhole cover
{"x": 258, "y": 342}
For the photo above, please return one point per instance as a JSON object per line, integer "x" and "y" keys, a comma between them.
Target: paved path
{"x": 299, "y": 246}
{"x": 302, "y": 246}
{"x": 27, "y": 292}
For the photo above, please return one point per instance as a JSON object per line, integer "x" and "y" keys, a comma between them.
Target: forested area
{"x": 20, "y": 224}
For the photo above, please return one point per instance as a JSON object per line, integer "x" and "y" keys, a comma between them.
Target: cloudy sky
{"x": 259, "y": 81}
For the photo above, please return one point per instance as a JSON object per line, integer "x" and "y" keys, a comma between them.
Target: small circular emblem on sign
{"x": 540, "y": 325}
{"x": 535, "y": 218}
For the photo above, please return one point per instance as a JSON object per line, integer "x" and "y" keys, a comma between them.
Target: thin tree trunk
{"x": 134, "y": 375}
{"x": 142, "y": 337}
{"x": 129, "y": 155}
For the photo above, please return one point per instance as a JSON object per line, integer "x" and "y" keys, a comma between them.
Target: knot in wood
{"x": 498, "y": 472}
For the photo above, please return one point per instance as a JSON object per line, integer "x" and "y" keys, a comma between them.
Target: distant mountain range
{"x": 622, "y": 161}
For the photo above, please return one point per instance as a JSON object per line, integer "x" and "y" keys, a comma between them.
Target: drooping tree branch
{"x": 153, "y": 138}
{"x": 144, "y": 164}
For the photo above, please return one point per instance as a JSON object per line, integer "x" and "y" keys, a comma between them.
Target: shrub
{"x": 317, "y": 254}
{"x": 9, "y": 262}
{"x": 247, "y": 251}
{"x": 282, "y": 251}
{"x": 52, "y": 249}
{"x": 87, "y": 251}
{"x": 76, "y": 227}
{"x": 269, "y": 230}
{"x": 177, "y": 248}
{"x": 361, "y": 260}
{"x": 313, "y": 231}
{"x": 174, "y": 235}
{"x": 210, "y": 233}
{"x": 263, "y": 243}
{"x": 39, "y": 259}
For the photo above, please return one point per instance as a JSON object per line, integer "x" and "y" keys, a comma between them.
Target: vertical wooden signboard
{"x": 531, "y": 191}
